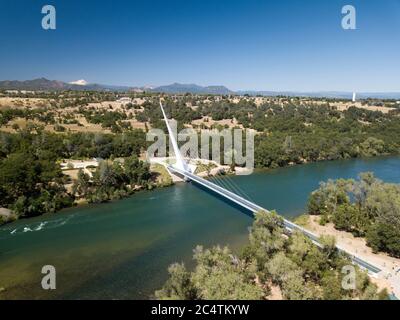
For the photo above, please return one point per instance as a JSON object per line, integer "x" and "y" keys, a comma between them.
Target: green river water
{"x": 121, "y": 250}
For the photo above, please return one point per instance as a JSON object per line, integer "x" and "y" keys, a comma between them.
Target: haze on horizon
{"x": 288, "y": 45}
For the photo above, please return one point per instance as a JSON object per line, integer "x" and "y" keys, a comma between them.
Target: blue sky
{"x": 262, "y": 45}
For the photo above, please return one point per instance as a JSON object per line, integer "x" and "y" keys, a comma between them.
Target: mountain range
{"x": 193, "y": 88}
{"x": 44, "y": 84}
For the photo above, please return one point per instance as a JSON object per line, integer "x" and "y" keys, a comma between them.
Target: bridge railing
{"x": 256, "y": 208}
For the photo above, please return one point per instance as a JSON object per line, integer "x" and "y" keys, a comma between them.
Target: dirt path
{"x": 387, "y": 278}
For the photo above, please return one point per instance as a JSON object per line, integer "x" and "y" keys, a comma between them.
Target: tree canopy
{"x": 367, "y": 207}
{"x": 292, "y": 262}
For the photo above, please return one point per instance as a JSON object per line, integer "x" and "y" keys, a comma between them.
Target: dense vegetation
{"x": 40, "y": 114}
{"x": 295, "y": 133}
{"x": 289, "y": 130}
{"x": 72, "y": 145}
{"x": 107, "y": 119}
{"x": 321, "y": 133}
{"x": 31, "y": 181}
{"x": 368, "y": 208}
{"x": 293, "y": 263}
{"x": 112, "y": 181}
{"x": 177, "y": 110}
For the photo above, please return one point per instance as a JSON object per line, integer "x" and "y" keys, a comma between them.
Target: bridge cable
{"x": 234, "y": 186}
{"x": 225, "y": 181}
{"x": 217, "y": 179}
{"x": 229, "y": 184}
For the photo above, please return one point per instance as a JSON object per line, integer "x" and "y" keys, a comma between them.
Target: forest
{"x": 367, "y": 207}
{"x": 112, "y": 181}
{"x": 295, "y": 133}
{"x": 31, "y": 180}
{"x": 271, "y": 260}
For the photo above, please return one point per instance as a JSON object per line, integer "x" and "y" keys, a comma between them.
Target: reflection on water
{"x": 121, "y": 250}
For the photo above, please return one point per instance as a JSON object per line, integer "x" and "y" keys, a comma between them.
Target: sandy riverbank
{"x": 388, "y": 278}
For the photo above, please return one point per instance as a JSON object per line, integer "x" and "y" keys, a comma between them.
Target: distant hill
{"x": 192, "y": 88}
{"x": 54, "y": 85}
{"x": 36, "y": 84}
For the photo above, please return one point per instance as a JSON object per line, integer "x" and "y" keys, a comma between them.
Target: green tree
{"x": 295, "y": 288}
{"x": 221, "y": 275}
{"x": 81, "y": 186}
{"x": 137, "y": 171}
{"x": 331, "y": 286}
{"x": 279, "y": 266}
{"x": 372, "y": 147}
{"x": 266, "y": 236}
{"x": 345, "y": 216}
{"x": 179, "y": 285}
{"x": 306, "y": 255}
{"x": 374, "y": 211}
{"x": 384, "y": 237}
{"x": 31, "y": 185}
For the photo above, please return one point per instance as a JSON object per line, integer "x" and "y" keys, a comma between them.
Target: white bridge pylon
{"x": 180, "y": 162}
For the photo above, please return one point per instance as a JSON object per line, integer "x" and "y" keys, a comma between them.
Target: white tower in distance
{"x": 354, "y": 97}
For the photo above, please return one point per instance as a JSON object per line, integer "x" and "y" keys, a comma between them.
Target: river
{"x": 121, "y": 250}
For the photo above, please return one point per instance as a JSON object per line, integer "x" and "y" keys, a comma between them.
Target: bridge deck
{"x": 252, "y": 207}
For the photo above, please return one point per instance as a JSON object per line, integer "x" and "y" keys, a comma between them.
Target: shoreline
{"x": 183, "y": 187}
{"x": 158, "y": 186}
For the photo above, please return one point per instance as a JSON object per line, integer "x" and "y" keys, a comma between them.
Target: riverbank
{"x": 390, "y": 276}
{"x": 122, "y": 249}
{"x": 162, "y": 177}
